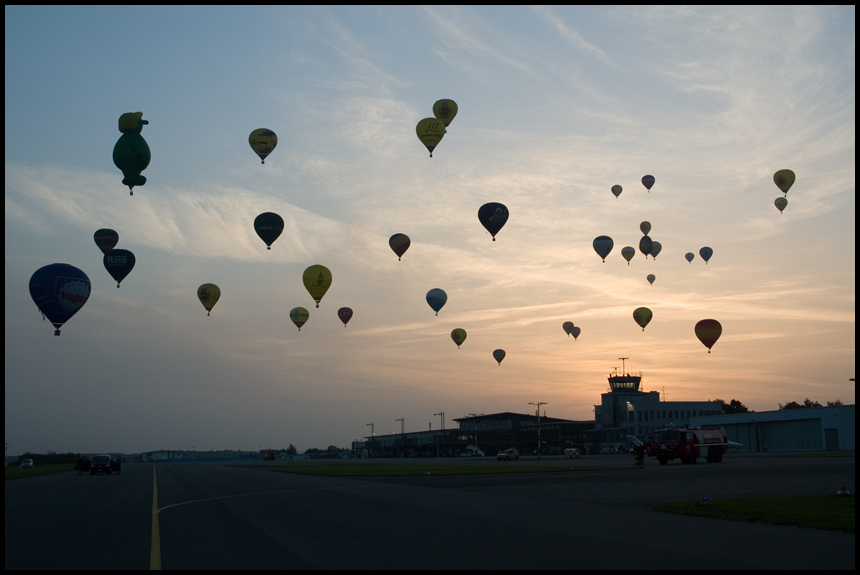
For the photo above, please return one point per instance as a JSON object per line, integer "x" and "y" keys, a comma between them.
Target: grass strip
{"x": 829, "y": 512}
{"x": 386, "y": 470}
{"x": 17, "y": 472}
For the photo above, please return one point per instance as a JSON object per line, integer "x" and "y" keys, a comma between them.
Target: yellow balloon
{"x": 317, "y": 280}
{"x": 430, "y": 132}
{"x": 445, "y": 110}
{"x": 299, "y": 315}
{"x": 263, "y": 141}
{"x": 459, "y": 336}
{"x": 208, "y": 294}
{"x": 642, "y": 315}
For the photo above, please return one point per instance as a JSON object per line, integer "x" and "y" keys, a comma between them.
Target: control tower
{"x": 623, "y": 381}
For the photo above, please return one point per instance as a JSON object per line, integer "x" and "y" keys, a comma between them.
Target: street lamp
{"x": 442, "y": 413}
{"x": 539, "y": 403}
{"x": 371, "y": 438}
{"x": 402, "y": 433}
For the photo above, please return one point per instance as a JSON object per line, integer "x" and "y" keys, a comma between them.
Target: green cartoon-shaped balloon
{"x": 131, "y": 153}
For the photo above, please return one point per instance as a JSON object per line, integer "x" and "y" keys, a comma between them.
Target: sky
{"x": 555, "y": 106}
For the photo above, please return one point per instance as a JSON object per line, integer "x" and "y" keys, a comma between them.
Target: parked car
{"x": 100, "y": 464}
{"x": 27, "y": 463}
{"x": 508, "y": 454}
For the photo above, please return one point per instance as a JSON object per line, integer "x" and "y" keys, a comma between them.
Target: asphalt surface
{"x": 595, "y": 516}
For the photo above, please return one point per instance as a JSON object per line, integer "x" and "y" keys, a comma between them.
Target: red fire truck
{"x": 687, "y": 444}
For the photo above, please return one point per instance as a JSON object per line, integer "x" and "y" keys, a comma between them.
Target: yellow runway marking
{"x": 155, "y": 549}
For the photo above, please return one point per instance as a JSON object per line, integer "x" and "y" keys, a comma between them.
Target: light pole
{"x": 442, "y": 413}
{"x": 371, "y": 438}
{"x": 539, "y": 403}
{"x": 402, "y": 434}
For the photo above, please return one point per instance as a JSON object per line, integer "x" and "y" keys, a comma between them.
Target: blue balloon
{"x": 59, "y": 291}
{"x": 436, "y": 298}
{"x": 706, "y": 253}
{"x": 118, "y": 263}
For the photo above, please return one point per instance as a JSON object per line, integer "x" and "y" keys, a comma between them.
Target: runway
{"x": 595, "y": 516}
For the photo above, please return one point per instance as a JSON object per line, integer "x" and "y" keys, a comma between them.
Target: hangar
{"x": 807, "y": 429}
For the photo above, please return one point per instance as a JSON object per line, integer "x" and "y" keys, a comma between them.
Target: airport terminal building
{"x": 623, "y": 411}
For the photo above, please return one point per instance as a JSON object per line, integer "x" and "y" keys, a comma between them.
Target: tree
{"x": 807, "y": 403}
{"x": 291, "y": 450}
{"x": 734, "y": 406}
{"x": 837, "y": 403}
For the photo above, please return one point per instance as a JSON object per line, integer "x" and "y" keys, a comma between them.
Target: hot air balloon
{"x": 575, "y": 332}
{"x": 689, "y": 256}
{"x": 59, "y": 291}
{"x": 706, "y": 253}
{"x": 345, "y": 314}
{"x": 299, "y": 315}
{"x": 616, "y": 189}
{"x": 436, "y": 298}
{"x": 445, "y": 110}
{"x": 628, "y": 252}
{"x": 603, "y": 245}
{"x": 567, "y": 327}
{"x": 317, "y": 280}
{"x": 708, "y": 331}
{"x": 430, "y": 131}
{"x": 399, "y": 244}
{"x": 106, "y": 239}
{"x": 642, "y": 316}
{"x": 648, "y": 181}
{"x": 208, "y": 294}
{"x": 780, "y": 203}
{"x": 651, "y": 278}
{"x": 131, "y": 153}
{"x": 493, "y": 217}
{"x": 645, "y": 227}
{"x": 645, "y": 245}
{"x": 119, "y": 264}
{"x": 656, "y": 248}
{"x": 498, "y": 354}
{"x": 263, "y": 142}
{"x": 459, "y": 336}
{"x": 269, "y": 226}
{"x": 784, "y": 179}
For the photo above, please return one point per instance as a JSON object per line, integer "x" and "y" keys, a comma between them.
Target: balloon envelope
{"x": 689, "y": 256}
{"x": 269, "y": 226}
{"x": 656, "y": 248}
{"x": 299, "y": 315}
{"x": 499, "y": 355}
{"x": 648, "y": 181}
{"x": 445, "y": 110}
{"x": 708, "y": 331}
{"x": 436, "y": 298}
{"x": 263, "y": 142}
{"x": 208, "y": 294}
{"x": 645, "y": 227}
{"x": 59, "y": 291}
{"x": 459, "y": 336}
{"x": 317, "y": 280}
{"x": 651, "y": 278}
{"x": 345, "y": 314}
{"x": 616, "y": 189}
{"x": 430, "y": 131}
{"x": 603, "y": 245}
{"x": 645, "y": 245}
{"x": 575, "y": 332}
{"x": 784, "y": 179}
{"x": 493, "y": 217}
{"x": 567, "y": 327}
{"x": 106, "y": 239}
{"x": 628, "y": 252}
{"x": 780, "y": 203}
{"x": 706, "y": 253}
{"x": 399, "y": 244}
{"x": 642, "y": 316}
{"x": 119, "y": 264}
